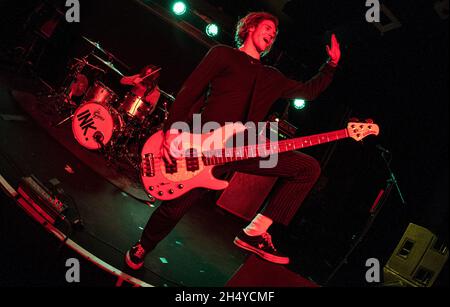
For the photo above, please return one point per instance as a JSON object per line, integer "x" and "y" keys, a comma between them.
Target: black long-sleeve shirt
{"x": 231, "y": 86}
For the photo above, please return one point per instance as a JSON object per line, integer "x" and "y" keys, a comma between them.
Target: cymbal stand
{"x": 122, "y": 145}
{"x": 75, "y": 71}
{"x": 64, "y": 94}
{"x": 166, "y": 111}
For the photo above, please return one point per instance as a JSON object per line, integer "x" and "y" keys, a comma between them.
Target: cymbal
{"x": 106, "y": 52}
{"x": 89, "y": 64}
{"x": 167, "y": 95}
{"x": 95, "y": 44}
{"x": 108, "y": 64}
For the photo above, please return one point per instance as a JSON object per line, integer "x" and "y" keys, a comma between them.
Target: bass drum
{"x": 95, "y": 125}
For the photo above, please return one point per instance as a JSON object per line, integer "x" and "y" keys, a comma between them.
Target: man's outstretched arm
{"x": 311, "y": 89}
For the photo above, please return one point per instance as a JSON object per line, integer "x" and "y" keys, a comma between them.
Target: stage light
{"x": 299, "y": 104}
{"x": 212, "y": 30}
{"x": 179, "y": 8}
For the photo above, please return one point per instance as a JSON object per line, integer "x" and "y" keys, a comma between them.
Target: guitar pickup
{"x": 171, "y": 169}
{"x": 192, "y": 162}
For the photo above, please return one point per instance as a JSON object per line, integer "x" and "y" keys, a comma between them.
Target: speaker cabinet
{"x": 417, "y": 260}
{"x": 246, "y": 194}
{"x": 256, "y": 272}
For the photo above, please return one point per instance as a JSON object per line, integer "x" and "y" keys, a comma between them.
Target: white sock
{"x": 258, "y": 226}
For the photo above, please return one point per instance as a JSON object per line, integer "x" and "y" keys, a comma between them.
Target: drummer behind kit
{"x": 97, "y": 123}
{"x": 83, "y": 81}
{"x": 142, "y": 99}
{"x": 76, "y": 82}
{"x": 102, "y": 121}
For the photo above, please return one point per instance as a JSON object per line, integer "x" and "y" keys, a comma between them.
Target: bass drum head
{"x": 94, "y": 123}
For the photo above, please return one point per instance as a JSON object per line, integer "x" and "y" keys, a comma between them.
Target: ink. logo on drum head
{"x": 86, "y": 121}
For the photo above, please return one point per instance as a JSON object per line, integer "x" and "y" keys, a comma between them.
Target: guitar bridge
{"x": 148, "y": 166}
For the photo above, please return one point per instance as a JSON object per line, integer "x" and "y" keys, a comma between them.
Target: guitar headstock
{"x": 359, "y": 130}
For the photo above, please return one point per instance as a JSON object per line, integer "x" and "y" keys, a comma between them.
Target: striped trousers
{"x": 297, "y": 174}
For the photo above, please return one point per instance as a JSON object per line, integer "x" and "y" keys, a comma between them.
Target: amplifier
{"x": 417, "y": 260}
{"x": 43, "y": 201}
{"x": 286, "y": 130}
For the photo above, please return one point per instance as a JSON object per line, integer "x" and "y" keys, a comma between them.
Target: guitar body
{"x": 166, "y": 184}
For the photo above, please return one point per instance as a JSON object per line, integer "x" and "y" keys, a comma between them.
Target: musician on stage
{"x": 145, "y": 84}
{"x": 232, "y": 85}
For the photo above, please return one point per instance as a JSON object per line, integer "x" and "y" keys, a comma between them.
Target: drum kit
{"x": 102, "y": 121}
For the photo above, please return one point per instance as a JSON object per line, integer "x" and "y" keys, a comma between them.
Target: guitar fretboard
{"x": 222, "y": 156}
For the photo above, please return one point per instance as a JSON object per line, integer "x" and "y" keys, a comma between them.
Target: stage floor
{"x": 199, "y": 252}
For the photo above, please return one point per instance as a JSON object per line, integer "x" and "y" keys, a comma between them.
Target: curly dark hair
{"x": 252, "y": 20}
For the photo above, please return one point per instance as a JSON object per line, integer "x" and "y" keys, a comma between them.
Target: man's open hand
{"x": 334, "y": 51}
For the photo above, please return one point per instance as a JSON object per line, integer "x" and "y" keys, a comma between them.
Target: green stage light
{"x": 179, "y": 8}
{"x": 212, "y": 30}
{"x": 299, "y": 104}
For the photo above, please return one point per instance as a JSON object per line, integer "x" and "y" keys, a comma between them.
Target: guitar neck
{"x": 227, "y": 155}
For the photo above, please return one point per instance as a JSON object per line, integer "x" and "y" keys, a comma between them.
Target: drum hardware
{"x": 50, "y": 90}
{"x": 63, "y": 121}
{"x": 123, "y": 152}
{"x": 77, "y": 86}
{"x": 119, "y": 148}
{"x": 99, "y": 138}
{"x": 101, "y": 94}
{"x": 127, "y": 144}
{"x": 83, "y": 61}
{"x": 106, "y": 52}
{"x": 96, "y": 93}
{"x": 95, "y": 44}
{"x": 135, "y": 107}
{"x": 167, "y": 95}
{"x": 165, "y": 103}
{"x": 166, "y": 111}
{"x": 95, "y": 123}
{"x": 108, "y": 64}
{"x": 115, "y": 131}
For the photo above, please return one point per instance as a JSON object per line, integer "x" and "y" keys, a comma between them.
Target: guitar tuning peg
{"x": 354, "y": 119}
{"x": 369, "y": 121}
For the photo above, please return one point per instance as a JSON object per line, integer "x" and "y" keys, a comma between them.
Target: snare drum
{"x": 95, "y": 124}
{"x": 101, "y": 94}
{"x": 136, "y": 107}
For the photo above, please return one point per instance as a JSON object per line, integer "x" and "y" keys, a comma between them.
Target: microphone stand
{"x": 392, "y": 180}
{"x": 374, "y": 211}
